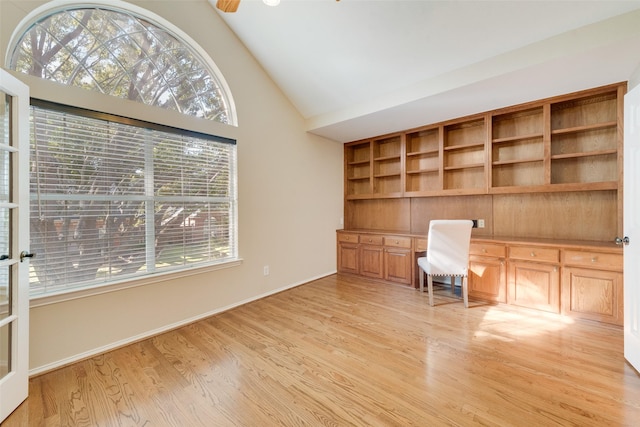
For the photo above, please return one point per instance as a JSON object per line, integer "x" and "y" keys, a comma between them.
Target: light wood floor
{"x": 343, "y": 351}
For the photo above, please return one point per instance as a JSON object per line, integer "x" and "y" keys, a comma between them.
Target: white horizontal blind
{"x": 112, "y": 200}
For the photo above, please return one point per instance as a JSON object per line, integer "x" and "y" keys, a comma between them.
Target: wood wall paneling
{"x": 574, "y": 215}
{"x": 424, "y": 209}
{"x": 378, "y": 214}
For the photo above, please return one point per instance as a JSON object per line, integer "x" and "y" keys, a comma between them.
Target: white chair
{"x": 447, "y": 254}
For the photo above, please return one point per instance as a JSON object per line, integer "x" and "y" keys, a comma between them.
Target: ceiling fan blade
{"x": 228, "y": 5}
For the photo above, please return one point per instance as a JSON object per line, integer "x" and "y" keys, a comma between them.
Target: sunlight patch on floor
{"x": 498, "y": 322}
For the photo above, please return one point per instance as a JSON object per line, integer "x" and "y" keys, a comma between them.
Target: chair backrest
{"x": 448, "y": 246}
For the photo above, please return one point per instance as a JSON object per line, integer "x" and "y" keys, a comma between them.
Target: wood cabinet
{"x": 371, "y": 256}
{"x": 398, "y": 259}
{"x": 592, "y": 286}
{"x": 348, "y": 253}
{"x": 581, "y": 280}
{"x": 534, "y": 277}
{"x": 385, "y": 257}
{"x": 547, "y": 173}
{"x": 488, "y": 272}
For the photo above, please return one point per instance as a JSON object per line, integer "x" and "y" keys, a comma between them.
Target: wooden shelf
{"x": 583, "y": 154}
{"x": 464, "y": 146}
{"x": 584, "y": 128}
{"x": 386, "y": 175}
{"x": 517, "y": 161}
{"x": 359, "y": 162}
{"x": 469, "y": 166}
{"x": 517, "y": 138}
{"x": 555, "y": 188}
{"x": 386, "y": 158}
{"x": 420, "y": 171}
{"x": 424, "y": 153}
{"x": 357, "y": 178}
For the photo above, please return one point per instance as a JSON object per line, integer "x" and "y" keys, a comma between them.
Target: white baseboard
{"x": 121, "y": 343}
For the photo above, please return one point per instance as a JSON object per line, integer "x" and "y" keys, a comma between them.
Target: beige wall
{"x": 290, "y": 203}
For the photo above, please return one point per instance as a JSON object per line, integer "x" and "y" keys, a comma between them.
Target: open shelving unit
{"x": 518, "y": 148}
{"x": 423, "y": 165}
{"x": 584, "y": 140}
{"x": 358, "y": 170}
{"x": 571, "y": 142}
{"x": 387, "y": 166}
{"x": 464, "y": 155}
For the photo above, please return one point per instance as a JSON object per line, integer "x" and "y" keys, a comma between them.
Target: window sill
{"x": 71, "y": 294}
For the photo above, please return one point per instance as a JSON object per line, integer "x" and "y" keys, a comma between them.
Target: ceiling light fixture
{"x": 271, "y": 2}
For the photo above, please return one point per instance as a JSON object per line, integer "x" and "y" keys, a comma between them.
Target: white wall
{"x": 290, "y": 203}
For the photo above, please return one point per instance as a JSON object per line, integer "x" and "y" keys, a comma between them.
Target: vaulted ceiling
{"x": 360, "y": 68}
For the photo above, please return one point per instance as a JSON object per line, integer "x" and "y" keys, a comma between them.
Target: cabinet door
{"x": 371, "y": 261}
{"x": 348, "y": 258}
{"x": 488, "y": 279}
{"x": 397, "y": 265}
{"x": 593, "y": 294}
{"x": 534, "y": 285}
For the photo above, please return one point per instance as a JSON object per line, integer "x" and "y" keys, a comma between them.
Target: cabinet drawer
{"x": 487, "y": 249}
{"x": 589, "y": 259}
{"x": 348, "y": 237}
{"x": 534, "y": 253}
{"x": 370, "y": 239}
{"x": 421, "y": 245}
{"x": 398, "y": 242}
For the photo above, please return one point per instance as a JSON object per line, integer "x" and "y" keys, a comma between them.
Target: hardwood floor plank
{"x": 346, "y": 351}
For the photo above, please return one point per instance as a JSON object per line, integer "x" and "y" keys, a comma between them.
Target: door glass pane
{"x": 4, "y": 155}
{"x": 4, "y": 233}
{"x": 5, "y": 349}
{"x": 4, "y": 176}
{"x": 5, "y": 308}
{"x": 5, "y": 290}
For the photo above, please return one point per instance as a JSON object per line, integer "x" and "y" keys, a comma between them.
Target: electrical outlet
{"x": 481, "y": 223}
{"x": 266, "y": 270}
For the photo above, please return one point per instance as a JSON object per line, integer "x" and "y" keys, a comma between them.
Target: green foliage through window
{"x": 122, "y": 55}
{"x": 112, "y": 200}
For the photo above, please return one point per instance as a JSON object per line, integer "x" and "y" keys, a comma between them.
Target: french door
{"x": 14, "y": 238}
{"x": 631, "y": 239}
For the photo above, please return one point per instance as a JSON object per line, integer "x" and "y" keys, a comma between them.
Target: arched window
{"x": 121, "y": 54}
{"x": 115, "y": 197}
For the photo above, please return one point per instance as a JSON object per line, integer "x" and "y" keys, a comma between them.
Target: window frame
{"x": 154, "y": 276}
{"x": 101, "y": 104}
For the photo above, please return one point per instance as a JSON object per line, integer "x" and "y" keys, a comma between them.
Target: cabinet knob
{"x": 397, "y": 242}
{"x": 594, "y": 259}
{"x": 533, "y": 254}
{"x": 484, "y": 250}
{"x": 369, "y": 240}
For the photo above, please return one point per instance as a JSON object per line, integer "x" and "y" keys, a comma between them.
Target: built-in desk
{"x": 582, "y": 279}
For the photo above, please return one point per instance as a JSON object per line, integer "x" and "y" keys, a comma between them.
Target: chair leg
{"x": 430, "y": 289}
{"x": 453, "y": 284}
{"x": 465, "y": 291}
{"x": 421, "y": 280}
